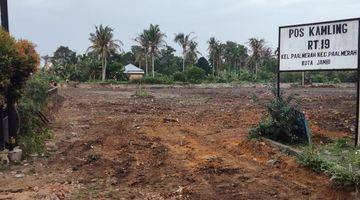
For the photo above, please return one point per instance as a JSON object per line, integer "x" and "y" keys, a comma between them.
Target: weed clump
{"x": 284, "y": 121}
{"x": 340, "y": 160}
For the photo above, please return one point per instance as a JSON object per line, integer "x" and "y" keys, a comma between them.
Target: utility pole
{"x": 4, "y": 14}
{"x": 5, "y": 24}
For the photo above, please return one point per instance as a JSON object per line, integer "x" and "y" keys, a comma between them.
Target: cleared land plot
{"x": 179, "y": 143}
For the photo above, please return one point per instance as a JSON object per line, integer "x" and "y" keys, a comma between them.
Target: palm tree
{"x": 103, "y": 45}
{"x": 212, "y": 45}
{"x": 184, "y": 41}
{"x": 219, "y": 53}
{"x": 156, "y": 41}
{"x": 258, "y": 52}
{"x": 139, "y": 54}
{"x": 193, "y": 53}
{"x": 144, "y": 41}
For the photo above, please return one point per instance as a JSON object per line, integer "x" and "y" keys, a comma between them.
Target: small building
{"x": 133, "y": 72}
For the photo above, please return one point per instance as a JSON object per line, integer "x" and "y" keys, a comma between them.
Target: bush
{"x": 245, "y": 75}
{"x": 195, "y": 74}
{"x": 284, "y": 122}
{"x": 7, "y": 52}
{"x": 34, "y": 99}
{"x": 179, "y": 77}
{"x": 336, "y": 80}
{"x": 319, "y": 78}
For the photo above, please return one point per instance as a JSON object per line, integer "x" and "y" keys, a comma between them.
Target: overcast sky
{"x": 51, "y": 23}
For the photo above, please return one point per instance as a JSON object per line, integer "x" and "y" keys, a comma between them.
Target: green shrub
{"x": 284, "y": 121}
{"x": 336, "y": 80}
{"x": 195, "y": 74}
{"x": 35, "y": 97}
{"x": 245, "y": 75}
{"x": 179, "y": 77}
{"x": 34, "y": 142}
{"x": 319, "y": 78}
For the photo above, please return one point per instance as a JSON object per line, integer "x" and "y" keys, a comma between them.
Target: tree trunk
{"x": 13, "y": 124}
{"x": 103, "y": 68}
{"x": 256, "y": 70}
{"x": 219, "y": 62}
{"x": 153, "y": 65}
{"x": 184, "y": 60}
{"x": 302, "y": 78}
{"x": 213, "y": 60}
{"x": 146, "y": 64}
{"x": 2, "y": 139}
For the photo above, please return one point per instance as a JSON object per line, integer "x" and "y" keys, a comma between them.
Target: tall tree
{"x": 193, "y": 53}
{"x": 63, "y": 56}
{"x": 219, "y": 53}
{"x": 104, "y": 44}
{"x": 259, "y": 51}
{"x": 204, "y": 64}
{"x": 144, "y": 42}
{"x": 184, "y": 41}
{"x": 167, "y": 63}
{"x": 212, "y": 46}
{"x": 139, "y": 54}
{"x": 156, "y": 41}
{"x": 235, "y": 55}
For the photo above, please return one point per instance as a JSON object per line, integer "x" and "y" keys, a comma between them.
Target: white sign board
{"x": 320, "y": 46}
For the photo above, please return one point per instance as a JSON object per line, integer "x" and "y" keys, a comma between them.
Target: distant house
{"x": 134, "y": 72}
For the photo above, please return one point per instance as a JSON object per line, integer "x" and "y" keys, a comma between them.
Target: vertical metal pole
{"x": 278, "y": 71}
{"x": 357, "y": 138}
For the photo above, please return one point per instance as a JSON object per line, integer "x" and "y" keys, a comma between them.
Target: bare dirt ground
{"x": 181, "y": 143}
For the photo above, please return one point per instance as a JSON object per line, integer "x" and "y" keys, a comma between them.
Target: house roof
{"x": 132, "y": 69}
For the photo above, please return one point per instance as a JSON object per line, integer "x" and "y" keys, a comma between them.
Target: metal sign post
{"x": 357, "y": 138}
{"x": 323, "y": 46}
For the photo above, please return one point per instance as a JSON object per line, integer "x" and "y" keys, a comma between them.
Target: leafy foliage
{"x": 340, "y": 160}
{"x": 204, "y": 64}
{"x": 195, "y": 74}
{"x": 7, "y": 54}
{"x": 25, "y": 63}
{"x": 180, "y": 77}
{"x": 103, "y": 44}
{"x": 284, "y": 121}
{"x": 35, "y": 97}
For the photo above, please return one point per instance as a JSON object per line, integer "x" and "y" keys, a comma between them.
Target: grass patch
{"x": 92, "y": 191}
{"x": 340, "y": 160}
{"x": 142, "y": 93}
{"x": 3, "y": 167}
{"x": 34, "y": 142}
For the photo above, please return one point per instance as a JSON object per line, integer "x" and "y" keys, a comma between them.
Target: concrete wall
{"x": 135, "y": 76}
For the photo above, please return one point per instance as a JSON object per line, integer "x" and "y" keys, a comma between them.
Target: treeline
{"x": 226, "y": 61}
